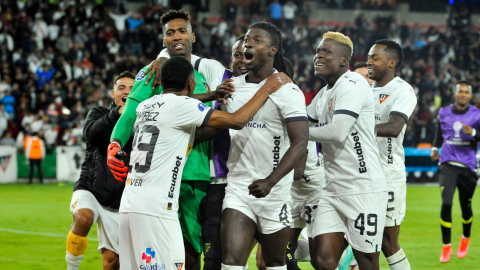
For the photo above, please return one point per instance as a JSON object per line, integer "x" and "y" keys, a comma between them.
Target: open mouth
{"x": 179, "y": 46}
{"x": 243, "y": 69}
{"x": 319, "y": 64}
{"x": 124, "y": 99}
{"x": 248, "y": 57}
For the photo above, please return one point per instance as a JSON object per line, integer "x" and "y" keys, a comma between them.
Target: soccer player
{"x": 196, "y": 176}
{"x": 458, "y": 134}
{"x": 395, "y": 101}
{"x": 353, "y": 205}
{"x": 96, "y": 195}
{"x": 361, "y": 68}
{"x": 151, "y": 235}
{"x": 261, "y": 158}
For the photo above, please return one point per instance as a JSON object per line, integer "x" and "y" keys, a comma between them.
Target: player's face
{"x": 120, "y": 91}
{"x": 256, "y": 48}
{"x": 328, "y": 58}
{"x": 463, "y": 94}
{"x": 364, "y": 72}
{"x": 237, "y": 59}
{"x": 378, "y": 61}
{"x": 179, "y": 38}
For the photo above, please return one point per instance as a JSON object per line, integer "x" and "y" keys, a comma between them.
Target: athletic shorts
{"x": 149, "y": 242}
{"x": 397, "y": 204}
{"x": 269, "y": 215}
{"x": 105, "y": 217}
{"x": 360, "y": 217}
{"x": 303, "y": 213}
{"x": 191, "y": 195}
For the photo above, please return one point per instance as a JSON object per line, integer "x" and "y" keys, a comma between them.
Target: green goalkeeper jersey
{"x": 197, "y": 166}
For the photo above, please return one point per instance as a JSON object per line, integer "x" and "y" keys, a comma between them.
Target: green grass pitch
{"x": 35, "y": 219}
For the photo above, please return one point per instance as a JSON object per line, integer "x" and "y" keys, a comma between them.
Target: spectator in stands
{"x": 289, "y": 10}
{"x": 8, "y": 140}
{"x": 8, "y": 102}
{"x": 35, "y": 153}
{"x": 276, "y": 13}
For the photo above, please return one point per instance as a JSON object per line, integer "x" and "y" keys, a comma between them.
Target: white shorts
{"x": 397, "y": 204}
{"x": 360, "y": 217}
{"x": 269, "y": 215}
{"x": 148, "y": 243}
{"x": 303, "y": 213}
{"x": 106, "y": 218}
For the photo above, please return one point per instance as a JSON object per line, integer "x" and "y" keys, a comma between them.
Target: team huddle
{"x": 192, "y": 170}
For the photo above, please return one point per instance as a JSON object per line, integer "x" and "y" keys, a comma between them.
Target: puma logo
{"x": 355, "y": 82}
{"x": 389, "y": 217}
{"x": 371, "y": 243}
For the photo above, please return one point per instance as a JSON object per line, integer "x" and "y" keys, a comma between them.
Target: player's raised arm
{"x": 240, "y": 118}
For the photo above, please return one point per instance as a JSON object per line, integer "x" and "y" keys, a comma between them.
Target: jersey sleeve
{"x": 140, "y": 90}
{"x": 214, "y": 72}
{"x": 404, "y": 103}
{"x": 312, "y": 109}
{"x": 350, "y": 98}
{"x": 123, "y": 127}
{"x": 291, "y": 102}
{"x": 191, "y": 112}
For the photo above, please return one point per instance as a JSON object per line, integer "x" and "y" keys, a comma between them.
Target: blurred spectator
{"x": 51, "y": 135}
{"x": 8, "y": 140}
{"x": 119, "y": 20}
{"x": 35, "y": 153}
{"x": 289, "y": 10}
{"x": 8, "y": 102}
{"x": 276, "y": 13}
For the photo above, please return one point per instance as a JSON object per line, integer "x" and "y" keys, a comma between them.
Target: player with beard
{"x": 196, "y": 176}
{"x": 395, "y": 101}
{"x": 261, "y": 158}
{"x": 353, "y": 205}
{"x": 458, "y": 134}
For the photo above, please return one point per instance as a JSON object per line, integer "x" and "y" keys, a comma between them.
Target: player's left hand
{"x": 224, "y": 91}
{"x": 467, "y": 129}
{"x": 155, "y": 67}
{"x": 260, "y": 188}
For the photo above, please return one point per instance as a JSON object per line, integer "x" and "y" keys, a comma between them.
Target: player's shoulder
{"x": 400, "y": 84}
{"x": 353, "y": 80}
{"x": 445, "y": 110}
{"x": 288, "y": 88}
{"x": 142, "y": 73}
{"x": 474, "y": 109}
{"x": 211, "y": 63}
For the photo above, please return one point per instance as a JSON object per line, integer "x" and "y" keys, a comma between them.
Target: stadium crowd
{"x": 58, "y": 58}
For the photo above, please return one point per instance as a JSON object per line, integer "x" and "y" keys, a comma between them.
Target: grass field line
{"x": 41, "y": 233}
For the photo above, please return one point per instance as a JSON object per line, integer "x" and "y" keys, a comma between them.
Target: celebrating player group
{"x": 207, "y": 159}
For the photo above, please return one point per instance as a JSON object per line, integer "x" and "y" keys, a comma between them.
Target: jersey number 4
{"x": 148, "y": 147}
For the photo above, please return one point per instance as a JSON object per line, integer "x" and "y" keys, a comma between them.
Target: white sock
{"x": 398, "y": 261}
{"x": 284, "y": 267}
{"x": 232, "y": 267}
{"x": 245, "y": 267}
{"x": 302, "y": 253}
{"x": 73, "y": 262}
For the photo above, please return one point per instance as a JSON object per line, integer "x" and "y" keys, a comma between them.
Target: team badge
{"x": 457, "y": 127}
{"x": 330, "y": 104}
{"x": 202, "y": 107}
{"x": 382, "y": 97}
{"x": 140, "y": 75}
{"x": 4, "y": 161}
{"x": 179, "y": 264}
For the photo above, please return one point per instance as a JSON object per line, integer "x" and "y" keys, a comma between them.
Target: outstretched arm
{"x": 392, "y": 128}
{"x": 335, "y": 132}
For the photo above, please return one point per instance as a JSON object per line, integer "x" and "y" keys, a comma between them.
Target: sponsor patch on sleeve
{"x": 202, "y": 107}
{"x": 140, "y": 75}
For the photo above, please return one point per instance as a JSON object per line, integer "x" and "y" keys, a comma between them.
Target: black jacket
{"x": 95, "y": 176}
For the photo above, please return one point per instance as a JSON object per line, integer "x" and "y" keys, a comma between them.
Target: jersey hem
{"x": 400, "y": 114}
{"x": 294, "y": 119}
{"x": 347, "y": 112}
{"x": 207, "y": 117}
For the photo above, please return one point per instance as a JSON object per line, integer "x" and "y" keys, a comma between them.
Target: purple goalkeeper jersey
{"x": 458, "y": 146}
{"x": 221, "y": 143}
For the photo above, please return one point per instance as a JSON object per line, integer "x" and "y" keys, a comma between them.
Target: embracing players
{"x": 395, "y": 101}
{"x": 353, "y": 205}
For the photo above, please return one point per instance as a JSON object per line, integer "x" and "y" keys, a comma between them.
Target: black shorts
{"x": 211, "y": 208}
{"x": 451, "y": 177}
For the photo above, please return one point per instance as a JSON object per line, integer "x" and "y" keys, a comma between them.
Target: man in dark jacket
{"x": 96, "y": 196}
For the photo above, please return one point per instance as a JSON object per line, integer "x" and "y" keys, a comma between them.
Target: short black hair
{"x": 242, "y": 37}
{"x": 125, "y": 74}
{"x": 359, "y": 65}
{"x": 175, "y": 73}
{"x": 175, "y": 14}
{"x": 392, "y": 47}
{"x": 464, "y": 82}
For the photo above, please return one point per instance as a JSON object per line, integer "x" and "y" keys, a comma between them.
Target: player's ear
{"x": 112, "y": 94}
{"x": 392, "y": 63}
{"x": 272, "y": 51}
{"x": 193, "y": 37}
{"x": 344, "y": 62}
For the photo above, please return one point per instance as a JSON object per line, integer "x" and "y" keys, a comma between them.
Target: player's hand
{"x": 467, "y": 129}
{"x": 117, "y": 166}
{"x": 260, "y": 188}
{"x": 434, "y": 155}
{"x": 224, "y": 91}
{"x": 121, "y": 110}
{"x": 275, "y": 81}
{"x": 155, "y": 67}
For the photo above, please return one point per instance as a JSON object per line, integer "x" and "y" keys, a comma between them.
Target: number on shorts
{"x": 149, "y": 147}
{"x": 391, "y": 198}
{"x": 308, "y": 214}
{"x": 371, "y": 221}
{"x": 283, "y": 216}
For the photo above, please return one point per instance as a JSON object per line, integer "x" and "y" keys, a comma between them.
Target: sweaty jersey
{"x": 395, "y": 98}
{"x": 352, "y": 166}
{"x": 256, "y": 150}
{"x": 313, "y": 177}
{"x": 198, "y": 167}
{"x": 164, "y": 134}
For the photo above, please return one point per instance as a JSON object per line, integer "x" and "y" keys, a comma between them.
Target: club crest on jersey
{"x": 383, "y": 97}
{"x": 178, "y": 264}
{"x": 330, "y": 104}
{"x": 140, "y": 75}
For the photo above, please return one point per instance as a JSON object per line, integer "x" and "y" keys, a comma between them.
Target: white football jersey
{"x": 353, "y": 165}
{"x": 256, "y": 150}
{"x": 164, "y": 134}
{"x": 314, "y": 175}
{"x": 397, "y": 98}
